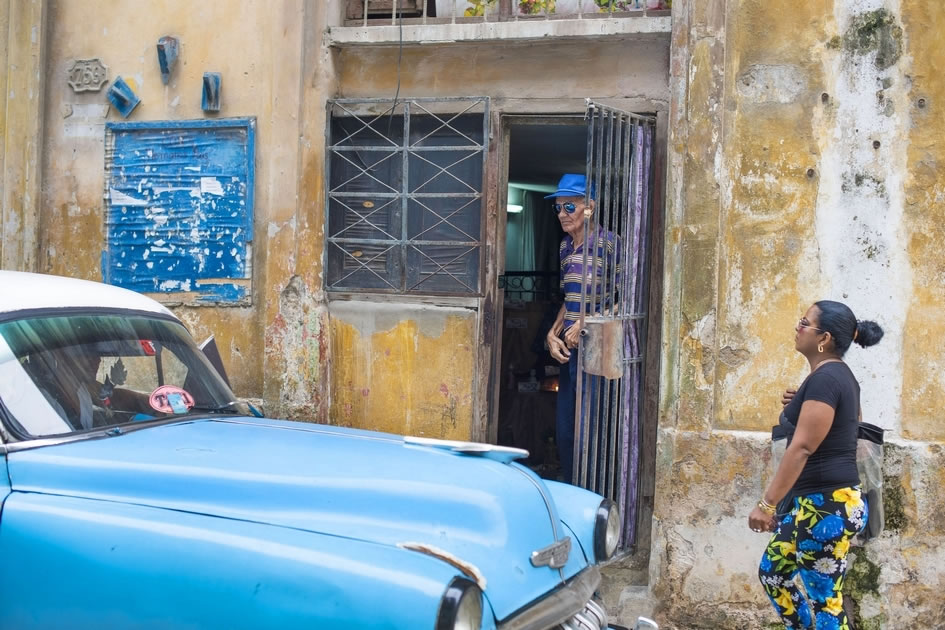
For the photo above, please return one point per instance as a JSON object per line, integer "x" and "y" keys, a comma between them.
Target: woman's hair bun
{"x": 868, "y": 333}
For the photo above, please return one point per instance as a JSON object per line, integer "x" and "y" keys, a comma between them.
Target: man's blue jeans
{"x": 567, "y": 399}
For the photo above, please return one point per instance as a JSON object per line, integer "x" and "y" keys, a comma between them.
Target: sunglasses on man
{"x": 568, "y": 207}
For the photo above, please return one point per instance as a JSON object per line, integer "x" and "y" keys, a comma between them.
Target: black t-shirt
{"x": 833, "y": 464}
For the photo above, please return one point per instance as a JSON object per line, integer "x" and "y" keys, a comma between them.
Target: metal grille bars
{"x": 405, "y": 194}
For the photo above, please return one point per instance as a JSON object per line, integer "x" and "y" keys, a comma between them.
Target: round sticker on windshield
{"x": 170, "y": 399}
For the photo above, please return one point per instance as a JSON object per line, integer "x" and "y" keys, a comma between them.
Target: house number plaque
{"x": 87, "y": 75}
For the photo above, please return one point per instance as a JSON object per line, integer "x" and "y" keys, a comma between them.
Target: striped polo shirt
{"x": 572, "y": 272}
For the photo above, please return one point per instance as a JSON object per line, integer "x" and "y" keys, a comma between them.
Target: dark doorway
{"x": 613, "y": 413}
{"x": 540, "y": 151}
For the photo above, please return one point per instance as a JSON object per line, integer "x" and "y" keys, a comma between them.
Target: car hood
{"x": 483, "y": 516}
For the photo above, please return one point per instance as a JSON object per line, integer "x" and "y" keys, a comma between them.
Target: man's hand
{"x": 572, "y": 336}
{"x": 787, "y": 396}
{"x": 559, "y": 351}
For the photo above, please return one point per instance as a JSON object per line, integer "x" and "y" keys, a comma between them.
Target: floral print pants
{"x": 812, "y": 542}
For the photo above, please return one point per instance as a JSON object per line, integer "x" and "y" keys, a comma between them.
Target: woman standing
{"x": 819, "y": 471}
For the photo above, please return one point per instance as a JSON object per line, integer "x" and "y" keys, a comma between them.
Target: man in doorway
{"x": 572, "y": 204}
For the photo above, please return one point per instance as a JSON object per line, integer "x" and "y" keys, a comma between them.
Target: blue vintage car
{"x": 138, "y": 492}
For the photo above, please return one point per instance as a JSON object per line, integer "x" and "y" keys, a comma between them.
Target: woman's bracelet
{"x": 766, "y": 507}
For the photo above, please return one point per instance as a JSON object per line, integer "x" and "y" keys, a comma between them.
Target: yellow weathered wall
{"x": 771, "y": 88}
{"x": 802, "y": 172}
{"x": 403, "y": 369}
{"x": 809, "y": 207}
{"x": 923, "y": 380}
{"x": 548, "y": 75}
{"x": 782, "y": 200}
{"x": 22, "y": 57}
{"x": 803, "y": 166}
{"x": 257, "y": 47}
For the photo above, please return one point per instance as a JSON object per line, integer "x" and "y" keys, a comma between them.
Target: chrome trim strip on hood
{"x": 504, "y": 454}
{"x": 557, "y": 607}
{"x": 551, "y": 515}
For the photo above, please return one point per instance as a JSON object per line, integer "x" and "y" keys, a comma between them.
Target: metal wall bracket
{"x": 212, "y": 83}
{"x": 167, "y": 50}
{"x": 122, "y": 97}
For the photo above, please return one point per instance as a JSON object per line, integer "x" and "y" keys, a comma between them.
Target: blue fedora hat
{"x": 571, "y": 185}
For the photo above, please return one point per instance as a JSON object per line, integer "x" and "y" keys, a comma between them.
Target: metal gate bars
{"x": 613, "y": 321}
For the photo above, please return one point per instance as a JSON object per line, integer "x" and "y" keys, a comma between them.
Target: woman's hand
{"x": 759, "y": 521}
{"x": 788, "y": 396}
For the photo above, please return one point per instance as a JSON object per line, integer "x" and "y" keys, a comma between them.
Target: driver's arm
{"x": 130, "y": 400}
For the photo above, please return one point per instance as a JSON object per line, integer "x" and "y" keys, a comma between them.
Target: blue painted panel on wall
{"x": 179, "y": 208}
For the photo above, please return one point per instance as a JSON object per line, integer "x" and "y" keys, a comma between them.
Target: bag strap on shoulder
{"x": 870, "y": 432}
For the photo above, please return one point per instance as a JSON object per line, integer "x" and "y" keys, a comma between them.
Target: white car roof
{"x": 20, "y": 291}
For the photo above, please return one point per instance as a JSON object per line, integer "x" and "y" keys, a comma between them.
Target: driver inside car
{"x": 68, "y": 378}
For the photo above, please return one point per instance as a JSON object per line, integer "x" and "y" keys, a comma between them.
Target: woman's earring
{"x": 820, "y": 348}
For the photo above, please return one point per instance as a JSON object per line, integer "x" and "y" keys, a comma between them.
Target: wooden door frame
{"x": 484, "y": 428}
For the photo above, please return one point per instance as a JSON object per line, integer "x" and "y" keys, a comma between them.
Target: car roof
{"x": 22, "y": 291}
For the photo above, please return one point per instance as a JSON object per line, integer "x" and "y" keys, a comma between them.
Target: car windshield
{"x": 81, "y": 372}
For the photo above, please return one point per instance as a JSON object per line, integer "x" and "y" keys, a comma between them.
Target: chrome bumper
{"x": 593, "y": 617}
{"x": 571, "y": 607}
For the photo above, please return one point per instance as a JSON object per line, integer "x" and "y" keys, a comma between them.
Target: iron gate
{"x": 613, "y": 323}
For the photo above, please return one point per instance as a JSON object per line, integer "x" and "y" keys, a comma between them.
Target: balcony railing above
{"x": 426, "y": 21}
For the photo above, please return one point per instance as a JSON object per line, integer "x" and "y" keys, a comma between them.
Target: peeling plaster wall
{"x": 403, "y": 369}
{"x": 804, "y": 164}
{"x": 258, "y": 48}
{"x": 860, "y": 228}
{"x": 296, "y": 320}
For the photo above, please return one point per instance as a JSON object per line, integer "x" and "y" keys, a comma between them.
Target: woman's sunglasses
{"x": 803, "y": 323}
{"x": 568, "y": 207}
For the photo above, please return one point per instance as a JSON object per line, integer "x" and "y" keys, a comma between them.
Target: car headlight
{"x": 461, "y": 607}
{"x": 606, "y": 530}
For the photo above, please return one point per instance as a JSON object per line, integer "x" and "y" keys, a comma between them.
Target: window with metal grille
{"x": 405, "y": 195}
